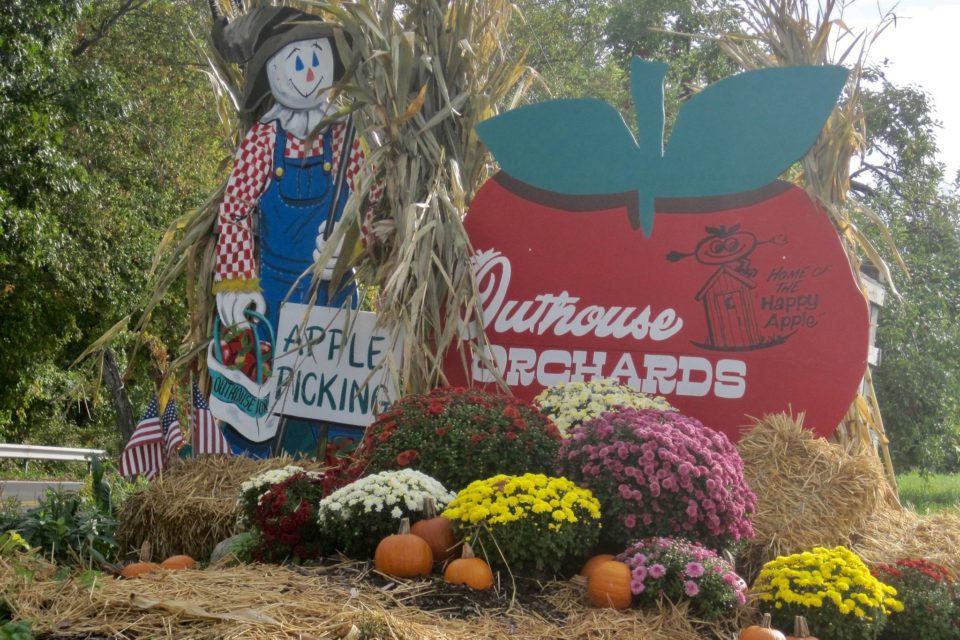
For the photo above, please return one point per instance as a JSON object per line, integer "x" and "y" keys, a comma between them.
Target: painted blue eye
{"x": 299, "y": 65}
{"x": 315, "y": 61}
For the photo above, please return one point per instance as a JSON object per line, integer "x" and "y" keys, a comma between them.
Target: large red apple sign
{"x": 735, "y": 306}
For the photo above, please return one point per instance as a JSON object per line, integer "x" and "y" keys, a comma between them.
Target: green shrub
{"x": 16, "y": 631}
{"x": 69, "y": 528}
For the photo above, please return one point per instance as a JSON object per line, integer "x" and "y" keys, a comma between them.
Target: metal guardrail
{"x": 28, "y": 452}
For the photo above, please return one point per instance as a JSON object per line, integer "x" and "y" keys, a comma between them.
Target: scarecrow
{"x": 292, "y": 175}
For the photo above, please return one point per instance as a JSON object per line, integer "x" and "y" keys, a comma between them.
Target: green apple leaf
{"x": 576, "y": 147}
{"x": 744, "y": 131}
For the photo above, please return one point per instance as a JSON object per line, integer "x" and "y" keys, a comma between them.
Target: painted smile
{"x": 310, "y": 91}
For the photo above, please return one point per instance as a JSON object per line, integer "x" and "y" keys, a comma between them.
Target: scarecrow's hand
{"x": 232, "y": 304}
{"x": 332, "y": 261}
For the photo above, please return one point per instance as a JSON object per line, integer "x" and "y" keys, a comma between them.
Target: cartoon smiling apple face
{"x": 301, "y": 73}
{"x": 719, "y": 248}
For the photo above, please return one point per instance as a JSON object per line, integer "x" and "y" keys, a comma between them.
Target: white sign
{"x": 323, "y": 371}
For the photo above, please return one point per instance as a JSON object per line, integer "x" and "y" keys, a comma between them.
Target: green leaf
{"x": 11, "y": 541}
{"x": 576, "y": 147}
{"x": 91, "y": 578}
{"x": 744, "y": 131}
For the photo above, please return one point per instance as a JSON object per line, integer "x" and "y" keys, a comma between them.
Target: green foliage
{"x": 242, "y": 549}
{"x": 583, "y": 48}
{"x": 68, "y": 471}
{"x": 673, "y": 31}
{"x": 74, "y": 527}
{"x": 564, "y": 43}
{"x": 103, "y": 141}
{"x": 12, "y": 542}
{"x": 9, "y": 512}
{"x": 68, "y": 529}
{"x": 16, "y": 631}
{"x": 917, "y": 383}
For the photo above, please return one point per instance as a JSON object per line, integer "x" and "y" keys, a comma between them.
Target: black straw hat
{"x": 253, "y": 38}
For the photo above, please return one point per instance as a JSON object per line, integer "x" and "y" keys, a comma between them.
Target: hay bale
{"x": 810, "y": 492}
{"x": 192, "y": 506}
{"x": 894, "y": 533}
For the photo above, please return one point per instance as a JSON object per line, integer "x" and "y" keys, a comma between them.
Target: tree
{"x": 107, "y": 133}
{"x": 583, "y": 48}
{"x": 899, "y": 177}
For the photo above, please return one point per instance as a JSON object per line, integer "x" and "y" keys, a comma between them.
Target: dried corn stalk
{"x": 427, "y": 72}
{"x": 783, "y": 33}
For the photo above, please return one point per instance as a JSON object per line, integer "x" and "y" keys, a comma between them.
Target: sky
{"x": 923, "y": 48}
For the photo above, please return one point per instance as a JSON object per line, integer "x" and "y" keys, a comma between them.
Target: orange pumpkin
{"x": 403, "y": 555}
{"x": 437, "y": 531}
{"x": 595, "y": 562}
{"x": 762, "y": 632}
{"x": 469, "y": 570}
{"x": 137, "y": 569}
{"x": 174, "y": 563}
{"x": 800, "y": 630}
{"x": 609, "y": 585}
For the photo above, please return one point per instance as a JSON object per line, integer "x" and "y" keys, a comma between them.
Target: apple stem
{"x": 646, "y": 82}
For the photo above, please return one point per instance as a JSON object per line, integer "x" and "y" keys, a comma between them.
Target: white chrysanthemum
{"x": 382, "y": 491}
{"x": 573, "y": 403}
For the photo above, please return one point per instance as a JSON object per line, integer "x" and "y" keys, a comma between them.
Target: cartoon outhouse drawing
{"x": 728, "y": 303}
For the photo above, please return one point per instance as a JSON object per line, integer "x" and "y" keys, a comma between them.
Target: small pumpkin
{"x": 437, "y": 531}
{"x": 469, "y": 570}
{"x": 609, "y": 585}
{"x": 174, "y": 563}
{"x": 403, "y": 555}
{"x": 137, "y": 569}
{"x": 800, "y": 630}
{"x": 595, "y": 562}
{"x": 763, "y": 631}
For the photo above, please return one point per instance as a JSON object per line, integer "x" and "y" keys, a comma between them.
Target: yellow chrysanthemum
{"x": 822, "y": 579}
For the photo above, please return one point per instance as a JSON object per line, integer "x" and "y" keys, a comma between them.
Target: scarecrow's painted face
{"x": 301, "y": 73}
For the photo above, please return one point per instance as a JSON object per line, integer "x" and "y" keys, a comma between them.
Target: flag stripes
{"x": 207, "y": 437}
{"x": 143, "y": 454}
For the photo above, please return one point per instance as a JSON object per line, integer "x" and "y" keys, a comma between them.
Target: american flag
{"x": 143, "y": 454}
{"x": 172, "y": 436}
{"x": 207, "y": 437}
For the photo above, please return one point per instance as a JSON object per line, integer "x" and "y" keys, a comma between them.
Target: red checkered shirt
{"x": 253, "y": 165}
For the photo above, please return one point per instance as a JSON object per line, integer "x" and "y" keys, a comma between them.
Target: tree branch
{"x": 118, "y": 393}
{"x": 861, "y": 187}
{"x": 88, "y": 41}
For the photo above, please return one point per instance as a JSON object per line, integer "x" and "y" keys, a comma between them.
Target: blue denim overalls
{"x": 293, "y": 208}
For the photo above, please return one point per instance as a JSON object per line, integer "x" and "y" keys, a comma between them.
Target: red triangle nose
{"x": 310, "y": 75}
